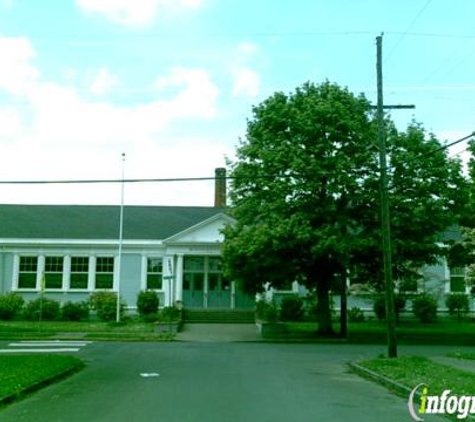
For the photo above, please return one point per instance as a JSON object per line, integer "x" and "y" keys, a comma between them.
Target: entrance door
{"x": 193, "y": 284}
{"x": 219, "y": 291}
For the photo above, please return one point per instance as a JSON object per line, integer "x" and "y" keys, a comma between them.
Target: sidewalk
{"x": 219, "y": 333}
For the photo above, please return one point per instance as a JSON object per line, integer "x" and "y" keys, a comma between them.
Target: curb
{"x": 40, "y": 384}
{"x": 389, "y": 383}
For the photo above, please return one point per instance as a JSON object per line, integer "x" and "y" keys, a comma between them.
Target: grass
{"x": 127, "y": 330}
{"x": 409, "y": 331}
{"x": 21, "y": 374}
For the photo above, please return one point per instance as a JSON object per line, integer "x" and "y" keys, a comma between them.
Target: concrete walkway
{"x": 219, "y": 333}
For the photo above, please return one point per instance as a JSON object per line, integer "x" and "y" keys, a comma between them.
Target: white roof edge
{"x": 201, "y": 224}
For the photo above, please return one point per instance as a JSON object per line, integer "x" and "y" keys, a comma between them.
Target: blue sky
{"x": 172, "y": 82}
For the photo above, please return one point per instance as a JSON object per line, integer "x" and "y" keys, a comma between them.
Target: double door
{"x": 201, "y": 290}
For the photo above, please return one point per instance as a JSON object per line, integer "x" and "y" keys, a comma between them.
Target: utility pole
{"x": 385, "y": 219}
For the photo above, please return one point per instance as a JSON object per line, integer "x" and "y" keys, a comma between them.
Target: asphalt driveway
{"x": 186, "y": 381}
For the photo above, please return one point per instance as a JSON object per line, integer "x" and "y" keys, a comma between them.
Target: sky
{"x": 172, "y": 83}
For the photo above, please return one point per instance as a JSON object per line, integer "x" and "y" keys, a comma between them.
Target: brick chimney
{"x": 220, "y": 187}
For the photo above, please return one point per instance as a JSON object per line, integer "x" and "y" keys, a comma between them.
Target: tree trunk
{"x": 323, "y": 308}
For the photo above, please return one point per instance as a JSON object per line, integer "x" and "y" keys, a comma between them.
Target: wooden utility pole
{"x": 385, "y": 219}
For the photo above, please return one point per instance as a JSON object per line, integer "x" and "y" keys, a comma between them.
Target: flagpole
{"x": 121, "y": 235}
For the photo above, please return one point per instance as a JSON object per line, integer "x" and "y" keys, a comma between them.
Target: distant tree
{"x": 428, "y": 194}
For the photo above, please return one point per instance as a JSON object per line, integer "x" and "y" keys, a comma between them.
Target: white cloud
{"x": 198, "y": 96}
{"x": 246, "y": 50}
{"x": 134, "y": 12}
{"x": 7, "y": 4}
{"x": 104, "y": 81}
{"x": 10, "y": 124}
{"x": 58, "y": 132}
{"x": 17, "y": 74}
{"x": 246, "y": 83}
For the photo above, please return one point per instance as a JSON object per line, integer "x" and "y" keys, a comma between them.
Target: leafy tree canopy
{"x": 305, "y": 193}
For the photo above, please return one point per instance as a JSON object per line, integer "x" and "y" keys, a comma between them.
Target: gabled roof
{"x": 94, "y": 222}
{"x": 204, "y": 232}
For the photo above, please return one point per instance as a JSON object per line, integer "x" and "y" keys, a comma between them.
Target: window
{"x": 53, "y": 272}
{"x": 104, "y": 272}
{"x": 193, "y": 273}
{"x": 28, "y": 270}
{"x": 154, "y": 273}
{"x": 194, "y": 264}
{"x": 457, "y": 279}
{"x": 79, "y": 272}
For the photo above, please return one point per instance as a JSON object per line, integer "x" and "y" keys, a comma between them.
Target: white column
{"x": 40, "y": 272}
{"x": 179, "y": 277}
{"x": 91, "y": 277}
{"x": 16, "y": 271}
{"x": 117, "y": 274}
{"x": 143, "y": 273}
{"x": 66, "y": 272}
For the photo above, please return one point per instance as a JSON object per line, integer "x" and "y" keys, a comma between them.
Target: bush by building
{"x": 457, "y": 304}
{"x": 424, "y": 307}
{"x": 42, "y": 308}
{"x": 104, "y": 303}
{"x": 11, "y": 305}
{"x": 147, "y": 303}
{"x": 379, "y": 306}
{"x": 355, "y": 314}
{"x": 291, "y": 308}
{"x": 75, "y": 311}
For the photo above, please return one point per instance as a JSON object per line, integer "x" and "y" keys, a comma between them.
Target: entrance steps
{"x": 226, "y": 316}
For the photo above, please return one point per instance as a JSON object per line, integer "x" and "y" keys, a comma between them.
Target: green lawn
{"x": 22, "y": 373}
{"x": 130, "y": 330}
{"x": 410, "y": 331}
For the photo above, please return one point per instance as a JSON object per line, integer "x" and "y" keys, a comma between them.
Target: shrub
{"x": 105, "y": 305}
{"x": 266, "y": 311}
{"x": 291, "y": 308}
{"x": 169, "y": 313}
{"x": 11, "y": 304}
{"x": 48, "y": 308}
{"x": 379, "y": 306}
{"x": 147, "y": 302}
{"x": 424, "y": 307}
{"x": 75, "y": 311}
{"x": 310, "y": 305}
{"x": 458, "y": 304}
{"x": 355, "y": 314}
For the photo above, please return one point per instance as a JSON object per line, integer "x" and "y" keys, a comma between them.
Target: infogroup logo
{"x": 445, "y": 403}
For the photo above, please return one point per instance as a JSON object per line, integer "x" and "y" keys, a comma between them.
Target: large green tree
{"x": 305, "y": 193}
{"x": 298, "y": 186}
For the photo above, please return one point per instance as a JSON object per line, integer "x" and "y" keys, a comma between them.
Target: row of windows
{"x": 102, "y": 273}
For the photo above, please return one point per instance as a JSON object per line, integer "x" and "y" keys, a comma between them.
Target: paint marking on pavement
{"x": 54, "y": 350}
{"x": 149, "y": 374}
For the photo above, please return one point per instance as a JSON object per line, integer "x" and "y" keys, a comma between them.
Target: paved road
{"x": 215, "y": 382}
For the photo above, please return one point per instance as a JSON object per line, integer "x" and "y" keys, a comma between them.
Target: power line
{"x": 419, "y": 14}
{"x": 161, "y": 180}
{"x": 193, "y": 179}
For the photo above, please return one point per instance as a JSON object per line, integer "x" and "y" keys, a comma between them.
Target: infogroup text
{"x": 445, "y": 403}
